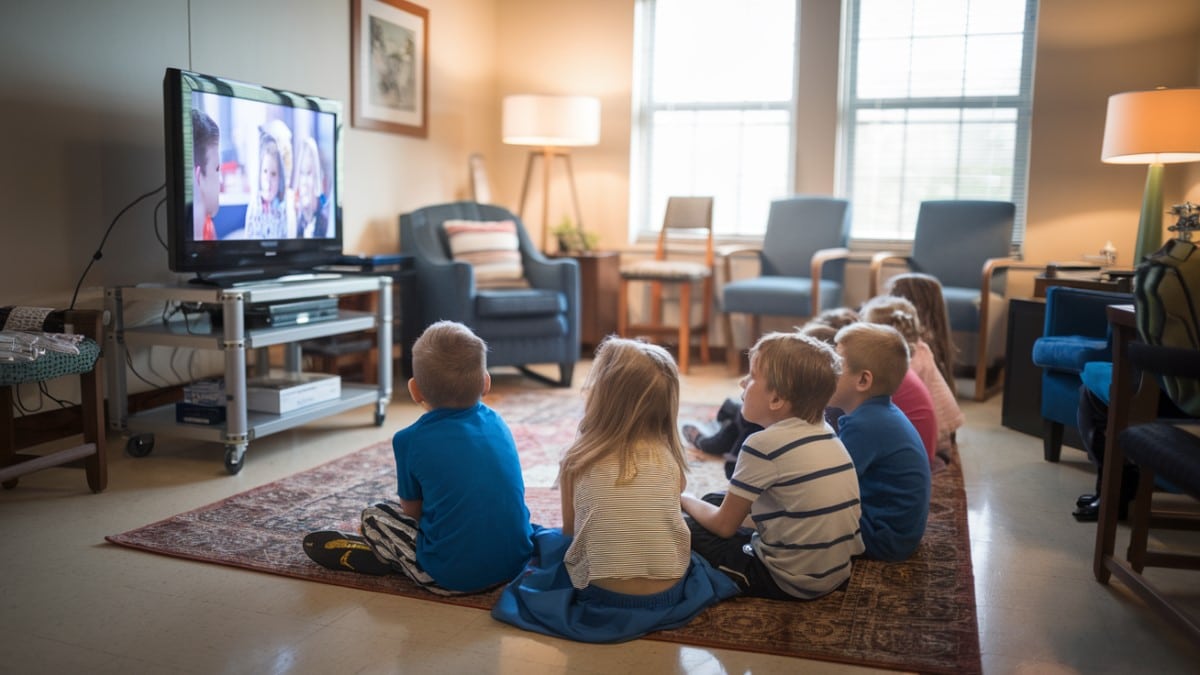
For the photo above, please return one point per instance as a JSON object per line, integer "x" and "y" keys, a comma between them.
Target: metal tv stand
{"x": 234, "y": 339}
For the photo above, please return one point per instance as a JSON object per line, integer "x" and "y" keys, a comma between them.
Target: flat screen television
{"x": 254, "y": 178}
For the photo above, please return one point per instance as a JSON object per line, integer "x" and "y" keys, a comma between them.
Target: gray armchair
{"x": 522, "y": 326}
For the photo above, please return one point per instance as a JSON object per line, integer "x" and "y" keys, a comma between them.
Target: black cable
{"x": 21, "y": 404}
{"x": 100, "y": 249}
{"x": 129, "y": 362}
{"x": 46, "y": 392}
{"x": 157, "y": 234}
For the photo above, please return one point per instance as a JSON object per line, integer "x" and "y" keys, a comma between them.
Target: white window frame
{"x": 1021, "y": 102}
{"x": 645, "y": 216}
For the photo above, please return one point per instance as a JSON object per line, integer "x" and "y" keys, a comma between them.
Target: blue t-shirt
{"x": 462, "y": 465}
{"x": 893, "y": 477}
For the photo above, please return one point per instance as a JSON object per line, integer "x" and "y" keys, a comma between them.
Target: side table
{"x": 599, "y": 283}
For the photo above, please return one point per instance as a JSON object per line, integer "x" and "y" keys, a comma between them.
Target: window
{"x": 713, "y": 109}
{"x": 936, "y": 106}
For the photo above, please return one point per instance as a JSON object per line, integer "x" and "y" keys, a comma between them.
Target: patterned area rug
{"x": 918, "y": 615}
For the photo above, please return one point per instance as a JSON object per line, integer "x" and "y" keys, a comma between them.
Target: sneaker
{"x": 343, "y": 552}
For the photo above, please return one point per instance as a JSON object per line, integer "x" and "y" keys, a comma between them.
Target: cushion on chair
{"x": 1069, "y": 352}
{"x": 1097, "y": 377}
{"x": 666, "y": 269}
{"x": 508, "y": 304}
{"x": 51, "y": 365}
{"x": 776, "y": 296}
{"x": 1169, "y": 450}
{"x": 491, "y": 247}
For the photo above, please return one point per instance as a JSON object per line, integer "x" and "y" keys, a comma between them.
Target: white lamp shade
{"x": 556, "y": 121}
{"x": 1161, "y": 126}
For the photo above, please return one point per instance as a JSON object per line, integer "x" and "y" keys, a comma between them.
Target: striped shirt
{"x": 631, "y": 530}
{"x": 805, "y": 505}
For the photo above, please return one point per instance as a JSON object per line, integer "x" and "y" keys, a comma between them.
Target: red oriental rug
{"x": 918, "y": 615}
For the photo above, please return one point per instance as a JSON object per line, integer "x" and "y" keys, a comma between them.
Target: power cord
{"x": 100, "y": 249}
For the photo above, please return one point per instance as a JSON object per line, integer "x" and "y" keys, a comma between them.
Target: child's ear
{"x": 866, "y": 379}
{"x": 414, "y": 391}
{"x": 776, "y": 403}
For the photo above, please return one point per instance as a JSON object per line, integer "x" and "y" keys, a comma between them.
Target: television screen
{"x": 253, "y": 177}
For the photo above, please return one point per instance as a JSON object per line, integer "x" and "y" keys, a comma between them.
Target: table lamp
{"x": 1156, "y": 127}
{"x": 552, "y": 124}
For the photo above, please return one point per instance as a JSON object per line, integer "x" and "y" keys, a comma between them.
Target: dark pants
{"x": 735, "y": 557}
{"x": 1092, "y": 420}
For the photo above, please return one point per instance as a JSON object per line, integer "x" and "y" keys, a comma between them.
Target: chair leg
{"x": 7, "y": 435}
{"x": 92, "y": 406}
{"x": 685, "y": 326}
{"x": 706, "y": 316}
{"x": 1052, "y": 435}
{"x": 566, "y": 371}
{"x": 733, "y": 357}
{"x": 623, "y": 309}
{"x": 1139, "y": 525}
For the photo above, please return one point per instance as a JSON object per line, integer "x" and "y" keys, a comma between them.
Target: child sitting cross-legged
{"x": 461, "y": 525}
{"x": 789, "y": 523}
{"x": 889, "y": 457}
{"x": 621, "y": 565}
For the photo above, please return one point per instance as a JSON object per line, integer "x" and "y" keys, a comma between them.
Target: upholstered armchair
{"x": 801, "y": 265}
{"x": 966, "y": 245}
{"x": 475, "y": 264}
{"x": 1076, "y": 333}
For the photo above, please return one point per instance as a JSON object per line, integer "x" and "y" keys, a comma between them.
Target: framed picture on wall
{"x": 389, "y": 88}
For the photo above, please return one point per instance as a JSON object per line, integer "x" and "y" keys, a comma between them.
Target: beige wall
{"x": 1077, "y": 203}
{"x": 82, "y": 103}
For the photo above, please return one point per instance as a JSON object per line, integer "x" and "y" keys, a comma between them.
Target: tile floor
{"x": 69, "y": 602}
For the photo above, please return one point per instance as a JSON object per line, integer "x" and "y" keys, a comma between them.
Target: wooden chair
{"x": 20, "y": 434}
{"x": 684, "y": 214}
{"x": 1169, "y": 449}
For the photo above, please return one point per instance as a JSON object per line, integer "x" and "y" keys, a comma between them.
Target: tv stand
{"x": 235, "y": 339}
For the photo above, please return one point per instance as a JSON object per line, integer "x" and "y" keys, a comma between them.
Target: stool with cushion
{"x": 15, "y": 435}
{"x": 684, "y": 214}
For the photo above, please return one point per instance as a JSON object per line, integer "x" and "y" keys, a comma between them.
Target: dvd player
{"x": 277, "y": 314}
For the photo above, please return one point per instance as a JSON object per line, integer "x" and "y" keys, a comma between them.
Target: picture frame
{"x": 389, "y": 66}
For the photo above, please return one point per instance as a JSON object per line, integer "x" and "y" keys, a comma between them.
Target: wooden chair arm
{"x": 727, "y": 253}
{"x": 990, "y": 267}
{"x": 874, "y": 278}
{"x": 819, "y": 259}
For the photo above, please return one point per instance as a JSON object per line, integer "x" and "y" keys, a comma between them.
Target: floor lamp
{"x": 1156, "y": 127}
{"x": 552, "y": 124}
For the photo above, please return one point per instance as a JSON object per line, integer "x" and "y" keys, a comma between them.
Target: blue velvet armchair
{"x": 1076, "y": 333}
{"x": 537, "y": 323}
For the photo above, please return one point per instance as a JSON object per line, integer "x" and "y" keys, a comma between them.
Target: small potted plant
{"x": 572, "y": 238}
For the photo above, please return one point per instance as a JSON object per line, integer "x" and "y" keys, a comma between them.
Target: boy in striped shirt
{"x": 789, "y": 523}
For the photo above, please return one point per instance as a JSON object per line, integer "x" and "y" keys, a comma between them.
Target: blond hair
{"x": 450, "y": 365}
{"x": 877, "y": 348}
{"x": 632, "y": 399}
{"x": 925, "y": 293}
{"x": 837, "y": 317}
{"x": 896, "y": 312}
{"x": 799, "y": 369}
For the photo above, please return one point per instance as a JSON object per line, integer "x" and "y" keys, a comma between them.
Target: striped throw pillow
{"x": 491, "y": 248}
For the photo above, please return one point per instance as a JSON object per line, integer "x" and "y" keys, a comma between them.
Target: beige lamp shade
{"x": 551, "y": 121}
{"x": 1160, "y": 126}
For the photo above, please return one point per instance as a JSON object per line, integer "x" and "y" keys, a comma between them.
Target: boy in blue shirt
{"x": 889, "y": 457}
{"x": 461, "y": 525}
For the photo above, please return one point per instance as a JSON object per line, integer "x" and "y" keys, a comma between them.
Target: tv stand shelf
{"x": 234, "y": 339}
